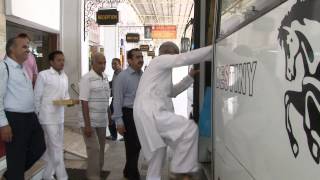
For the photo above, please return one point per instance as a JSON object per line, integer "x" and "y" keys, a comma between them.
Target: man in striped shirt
{"x": 94, "y": 96}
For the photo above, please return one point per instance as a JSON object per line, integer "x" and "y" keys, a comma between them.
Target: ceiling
{"x": 164, "y": 12}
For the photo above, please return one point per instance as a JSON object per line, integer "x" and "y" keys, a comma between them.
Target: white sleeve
{"x": 181, "y": 86}
{"x": 38, "y": 91}
{"x": 183, "y": 59}
{"x": 84, "y": 88}
{"x": 66, "y": 93}
{"x": 3, "y": 89}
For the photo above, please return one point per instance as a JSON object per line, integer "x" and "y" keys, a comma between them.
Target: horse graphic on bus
{"x": 299, "y": 40}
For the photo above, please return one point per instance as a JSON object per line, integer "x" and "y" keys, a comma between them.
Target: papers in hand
{"x": 66, "y": 102}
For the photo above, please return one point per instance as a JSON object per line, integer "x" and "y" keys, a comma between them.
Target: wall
{"x": 70, "y": 38}
{"x": 110, "y": 47}
{"x": 44, "y": 13}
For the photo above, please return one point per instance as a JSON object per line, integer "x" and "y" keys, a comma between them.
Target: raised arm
{"x": 184, "y": 59}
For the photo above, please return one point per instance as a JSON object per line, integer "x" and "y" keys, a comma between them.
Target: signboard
{"x": 267, "y": 97}
{"x": 147, "y": 32}
{"x": 164, "y": 32}
{"x": 151, "y": 53}
{"x": 94, "y": 33}
{"x": 133, "y": 37}
{"x": 144, "y": 47}
{"x": 107, "y": 17}
{"x": 185, "y": 44}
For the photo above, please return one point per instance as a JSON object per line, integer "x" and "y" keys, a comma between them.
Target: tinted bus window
{"x": 234, "y": 14}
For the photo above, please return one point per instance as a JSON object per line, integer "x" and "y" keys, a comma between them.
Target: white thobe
{"x": 51, "y": 85}
{"x": 156, "y": 123}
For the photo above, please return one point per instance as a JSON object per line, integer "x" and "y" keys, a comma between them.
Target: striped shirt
{"x": 95, "y": 89}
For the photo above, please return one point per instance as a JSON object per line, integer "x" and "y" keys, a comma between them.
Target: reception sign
{"x": 107, "y": 17}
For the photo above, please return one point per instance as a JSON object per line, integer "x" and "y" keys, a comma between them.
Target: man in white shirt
{"x": 94, "y": 97}
{"x": 19, "y": 125}
{"x": 157, "y": 124}
{"x": 52, "y": 84}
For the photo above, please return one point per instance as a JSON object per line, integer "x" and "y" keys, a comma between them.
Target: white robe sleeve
{"x": 184, "y": 59}
{"x": 181, "y": 86}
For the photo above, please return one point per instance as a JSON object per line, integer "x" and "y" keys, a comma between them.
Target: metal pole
{"x": 216, "y": 26}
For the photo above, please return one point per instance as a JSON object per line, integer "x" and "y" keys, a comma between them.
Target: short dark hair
{"x": 9, "y": 45}
{"x": 24, "y": 35}
{"x": 130, "y": 53}
{"x": 116, "y": 59}
{"x": 53, "y": 54}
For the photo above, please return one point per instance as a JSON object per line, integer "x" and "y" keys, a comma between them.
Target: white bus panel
{"x": 267, "y": 97}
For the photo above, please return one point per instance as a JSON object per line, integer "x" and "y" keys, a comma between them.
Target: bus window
{"x": 237, "y": 13}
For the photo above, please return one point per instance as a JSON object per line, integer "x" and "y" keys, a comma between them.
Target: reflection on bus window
{"x": 236, "y": 12}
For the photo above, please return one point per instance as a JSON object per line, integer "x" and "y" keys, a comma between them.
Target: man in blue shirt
{"x": 125, "y": 92}
{"x": 19, "y": 125}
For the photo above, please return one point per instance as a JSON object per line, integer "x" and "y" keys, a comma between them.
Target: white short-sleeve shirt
{"x": 95, "y": 89}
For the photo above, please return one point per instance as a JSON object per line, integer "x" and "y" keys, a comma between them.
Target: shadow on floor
{"x": 80, "y": 174}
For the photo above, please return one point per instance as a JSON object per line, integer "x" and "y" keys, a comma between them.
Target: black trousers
{"x": 112, "y": 125}
{"x": 27, "y": 145}
{"x": 132, "y": 145}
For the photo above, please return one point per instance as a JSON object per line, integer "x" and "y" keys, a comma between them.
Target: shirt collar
{"x": 13, "y": 63}
{"x": 53, "y": 71}
{"x": 132, "y": 71}
{"x": 97, "y": 75}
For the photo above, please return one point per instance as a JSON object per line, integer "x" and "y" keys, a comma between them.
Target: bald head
{"x": 168, "y": 48}
{"x": 97, "y": 56}
{"x": 98, "y": 63}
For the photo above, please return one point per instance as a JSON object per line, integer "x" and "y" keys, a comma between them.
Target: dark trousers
{"x": 132, "y": 145}
{"x": 112, "y": 125}
{"x": 27, "y": 145}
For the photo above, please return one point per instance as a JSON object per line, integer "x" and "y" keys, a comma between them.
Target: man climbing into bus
{"x": 157, "y": 124}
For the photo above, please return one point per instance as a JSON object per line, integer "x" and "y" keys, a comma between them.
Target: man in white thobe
{"x": 157, "y": 124}
{"x": 52, "y": 84}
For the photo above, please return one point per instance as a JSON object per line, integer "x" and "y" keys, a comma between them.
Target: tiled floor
{"x": 114, "y": 156}
{"x": 75, "y": 157}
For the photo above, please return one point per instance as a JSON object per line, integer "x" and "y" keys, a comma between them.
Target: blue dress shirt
{"x": 124, "y": 92}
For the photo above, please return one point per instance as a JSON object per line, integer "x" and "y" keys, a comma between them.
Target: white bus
{"x": 266, "y": 90}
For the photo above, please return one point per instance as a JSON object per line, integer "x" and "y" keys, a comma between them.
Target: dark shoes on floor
{"x": 111, "y": 138}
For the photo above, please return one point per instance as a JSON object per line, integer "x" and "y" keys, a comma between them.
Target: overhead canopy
{"x": 164, "y": 12}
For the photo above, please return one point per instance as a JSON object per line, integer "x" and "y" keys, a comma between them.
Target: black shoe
{"x": 109, "y": 137}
